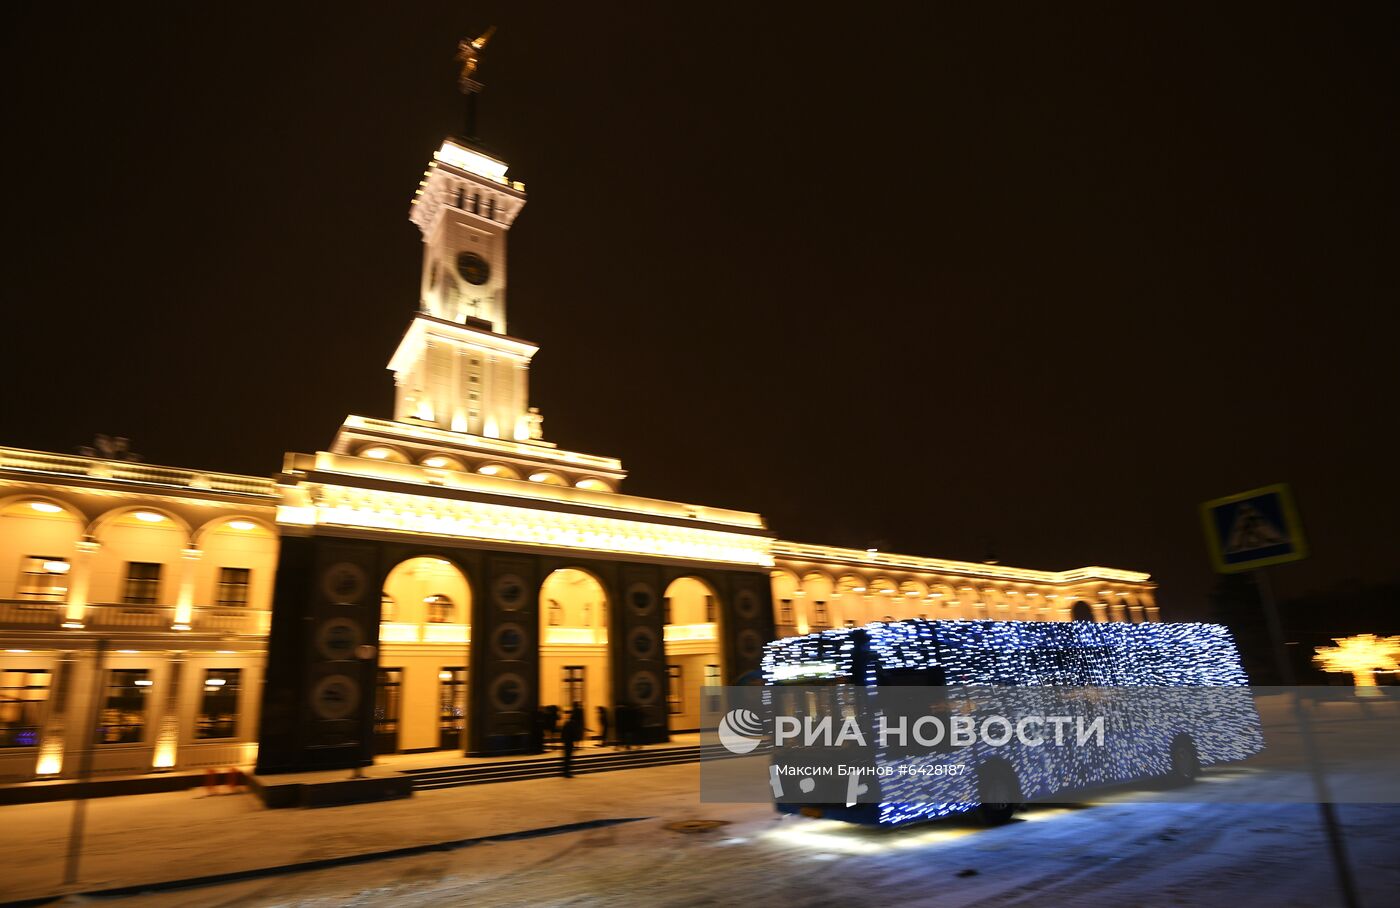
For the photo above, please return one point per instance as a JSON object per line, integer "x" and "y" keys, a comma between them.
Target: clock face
{"x": 473, "y": 268}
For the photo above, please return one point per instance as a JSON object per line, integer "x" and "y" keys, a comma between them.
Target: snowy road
{"x": 1184, "y": 848}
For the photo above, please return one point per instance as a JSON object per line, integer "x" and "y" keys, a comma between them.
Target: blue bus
{"x": 1171, "y": 698}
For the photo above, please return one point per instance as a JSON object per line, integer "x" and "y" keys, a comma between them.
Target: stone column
{"x": 79, "y": 579}
{"x": 168, "y": 729}
{"x": 184, "y": 604}
{"x": 50, "y": 762}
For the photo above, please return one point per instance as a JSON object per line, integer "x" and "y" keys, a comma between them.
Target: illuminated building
{"x": 427, "y": 581}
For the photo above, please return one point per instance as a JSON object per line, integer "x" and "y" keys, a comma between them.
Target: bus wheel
{"x": 996, "y": 785}
{"x": 1186, "y": 765}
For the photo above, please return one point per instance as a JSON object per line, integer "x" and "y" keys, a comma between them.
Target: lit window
{"x": 123, "y": 718}
{"x": 785, "y": 612}
{"x": 710, "y": 609}
{"x": 452, "y": 707}
{"x": 218, "y": 704}
{"x": 675, "y": 703}
{"x": 233, "y": 586}
{"x": 22, "y": 697}
{"x": 439, "y": 608}
{"x": 388, "y": 609}
{"x": 556, "y": 613}
{"x": 43, "y": 578}
{"x": 142, "y": 583}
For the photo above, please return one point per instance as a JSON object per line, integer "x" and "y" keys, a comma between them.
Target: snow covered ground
{"x": 1189, "y": 847}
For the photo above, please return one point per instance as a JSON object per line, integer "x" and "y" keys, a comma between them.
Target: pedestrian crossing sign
{"x": 1253, "y": 529}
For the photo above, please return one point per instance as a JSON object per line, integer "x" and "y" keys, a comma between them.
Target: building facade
{"x": 428, "y": 582}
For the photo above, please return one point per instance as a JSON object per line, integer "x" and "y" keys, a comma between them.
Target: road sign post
{"x": 1251, "y": 531}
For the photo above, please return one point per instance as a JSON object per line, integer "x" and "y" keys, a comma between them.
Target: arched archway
{"x": 237, "y": 564}
{"x": 38, "y": 542}
{"x": 424, "y": 635}
{"x": 140, "y": 568}
{"x": 575, "y": 662}
{"x": 786, "y": 591}
{"x": 694, "y": 656}
{"x": 1081, "y": 611}
{"x": 818, "y": 590}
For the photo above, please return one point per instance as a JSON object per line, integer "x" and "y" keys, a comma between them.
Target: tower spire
{"x": 469, "y": 55}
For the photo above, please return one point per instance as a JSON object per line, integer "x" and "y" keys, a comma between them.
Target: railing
{"x": 129, "y": 616}
{"x": 22, "y": 460}
{"x": 867, "y": 558}
{"x": 402, "y": 632}
{"x": 30, "y": 613}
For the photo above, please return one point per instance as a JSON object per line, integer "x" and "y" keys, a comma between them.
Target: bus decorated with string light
{"x": 903, "y": 721}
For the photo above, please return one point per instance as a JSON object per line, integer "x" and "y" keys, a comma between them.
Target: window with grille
{"x": 23, "y": 694}
{"x": 42, "y": 578}
{"x": 440, "y": 608}
{"x": 572, "y": 688}
{"x": 218, "y": 704}
{"x": 233, "y": 586}
{"x": 710, "y": 609}
{"x": 452, "y": 706}
{"x": 142, "y": 583}
{"x": 123, "y": 717}
{"x": 712, "y": 680}
{"x": 675, "y": 694}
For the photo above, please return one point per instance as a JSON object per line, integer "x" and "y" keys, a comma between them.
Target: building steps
{"x": 436, "y": 777}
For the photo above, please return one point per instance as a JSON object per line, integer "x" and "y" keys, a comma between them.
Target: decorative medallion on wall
{"x": 641, "y": 642}
{"x": 644, "y": 688}
{"x": 509, "y": 641}
{"x": 746, "y": 604}
{"x": 335, "y": 696}
{"x": 344, "y": 582}
{"x": 641, "y": 599}
{"x": 338, "y": 638}
{"x": 508, "y": 692}
{"x": 509, "y": 592}
{"x": 750, "y": 644}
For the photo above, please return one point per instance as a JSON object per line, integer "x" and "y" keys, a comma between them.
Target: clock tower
{"x": 457, "y": 368}
{"x": 461, "y": 381}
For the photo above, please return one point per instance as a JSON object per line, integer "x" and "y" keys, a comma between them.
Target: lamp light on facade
{"x": 144, "y": 682}
{"x": 444, "y": 676}
{"x": 72, "y": 625}
{"x": 242, "y": 525}
{"x": 57, "y": 567}
{"x": 149, "y": 516}
{"x": 44, "y": 507}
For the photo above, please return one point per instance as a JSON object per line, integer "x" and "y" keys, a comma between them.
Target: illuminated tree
{"x": 1361, "y": 655}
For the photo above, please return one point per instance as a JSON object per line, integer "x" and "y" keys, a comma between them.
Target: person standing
{"x": 569, "y": 735}
{"x": 602, "y": 726}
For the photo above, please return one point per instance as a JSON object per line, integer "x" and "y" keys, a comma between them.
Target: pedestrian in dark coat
{"x": 602, "y": 726}
{"x": 570, "y": 735}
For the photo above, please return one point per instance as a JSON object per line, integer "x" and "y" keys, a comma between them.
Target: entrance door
{"x": 387, "y": 698}
{"x": 572, "y": 691}
{"x": 452, "y": 708}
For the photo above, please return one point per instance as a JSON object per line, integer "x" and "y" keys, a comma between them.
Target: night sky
{"x": 1026, "y": 286}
